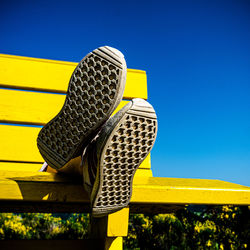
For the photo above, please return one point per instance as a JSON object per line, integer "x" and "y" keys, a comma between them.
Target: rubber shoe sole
{"x": 130, "y": 141}
{"x": 95, "y": 89}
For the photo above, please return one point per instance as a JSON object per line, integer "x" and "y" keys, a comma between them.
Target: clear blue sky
{"x": 197, "y": 58}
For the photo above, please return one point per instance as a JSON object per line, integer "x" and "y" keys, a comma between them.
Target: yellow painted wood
{"x": 189, "y": 191}
{"x": 18, "y": 143}
{"x": 118, "y": 223}
{"x": 51, "y": 75}
{"x": 40, "y": 187}
{"x": 22, "y": 167}
{"x": 110, "y": 227}
{"x": 35, "y": 167}
{"x": 114, "y": 243}
{"x": 43, "y": 176}
{"x": 31, "y": 107}
{"x": 143, "y": 172}
{"x": 146, "y": 164}
{"x": 147, "y": 190}
{"x": 39, "y": 177}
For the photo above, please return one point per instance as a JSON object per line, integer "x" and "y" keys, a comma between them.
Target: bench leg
{"x": 110, "y": 229}
{"x": 113, "y": 243}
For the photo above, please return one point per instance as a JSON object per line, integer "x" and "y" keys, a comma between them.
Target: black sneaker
{"x": 111, "y": 161}
{"x": 95, "y": 89}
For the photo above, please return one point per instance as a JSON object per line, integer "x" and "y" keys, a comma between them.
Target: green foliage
{"x": 219, "y": 227}
{"x": 42, "y": 226}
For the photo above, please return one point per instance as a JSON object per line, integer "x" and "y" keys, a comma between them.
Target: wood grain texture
{"x": 50, "y": 75}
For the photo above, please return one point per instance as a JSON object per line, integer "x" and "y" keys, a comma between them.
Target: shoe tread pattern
{"x": 90, "y": 97}
{"x": 129, "y": 145}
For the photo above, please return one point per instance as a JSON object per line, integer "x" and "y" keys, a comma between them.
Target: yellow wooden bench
{"x": 32, "y": 91}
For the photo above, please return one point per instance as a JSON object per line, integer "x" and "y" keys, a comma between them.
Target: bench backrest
{"x": 32, "y": 91}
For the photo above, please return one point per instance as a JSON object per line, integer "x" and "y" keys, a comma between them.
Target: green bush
{"x": 220, "y": 227}
{"x": 42, "y": 226}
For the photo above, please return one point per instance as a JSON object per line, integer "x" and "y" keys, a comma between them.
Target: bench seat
{"x": 46, "y": 192}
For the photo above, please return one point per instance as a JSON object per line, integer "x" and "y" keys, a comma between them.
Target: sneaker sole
{"x": 95, "y": 89}
{"x": 126, "y": 147}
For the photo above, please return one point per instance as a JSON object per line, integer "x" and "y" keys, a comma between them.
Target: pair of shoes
{"x": 112, "y": 148}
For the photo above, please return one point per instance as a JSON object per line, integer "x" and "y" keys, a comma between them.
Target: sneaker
{"x": 95, "y": 89}
{"x": 110, "y": 162}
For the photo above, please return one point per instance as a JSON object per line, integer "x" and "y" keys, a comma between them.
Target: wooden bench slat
{"x": 35, "y": 167}
{"x": 22, "y": 167}
{"x": 146, "y": 190}
{"x": 50, "y": 75}
{"x": 189, "y": 191}
{"x": 15, "y": 185}
{"x": 18, "y": 143}
{"x": 31, "y": 107}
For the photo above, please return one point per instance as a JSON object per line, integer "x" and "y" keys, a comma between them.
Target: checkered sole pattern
{"x": 95, "y": 90}
{"x": 127, "y": 146}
